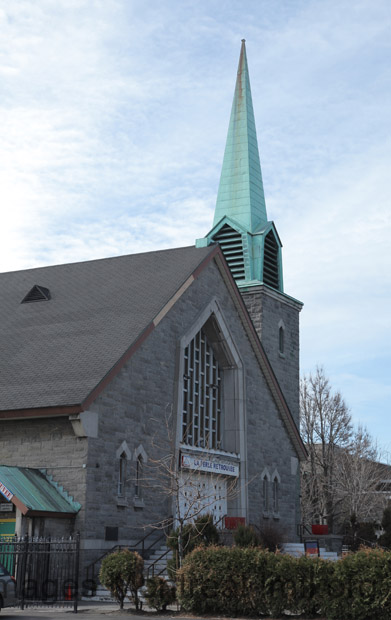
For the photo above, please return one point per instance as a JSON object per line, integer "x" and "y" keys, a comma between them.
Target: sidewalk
{"x": 99, "y": 611}
{"x": 86, "y": 609}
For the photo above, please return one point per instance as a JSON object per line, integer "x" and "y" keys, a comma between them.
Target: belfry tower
{"x": 251, "y": 245}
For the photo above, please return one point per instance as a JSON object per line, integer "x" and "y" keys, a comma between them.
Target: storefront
{"x": 29, "y": 500}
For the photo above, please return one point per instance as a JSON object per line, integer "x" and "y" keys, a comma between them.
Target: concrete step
{"x": 297, "y": 550}
{"x": 156, "y": 564}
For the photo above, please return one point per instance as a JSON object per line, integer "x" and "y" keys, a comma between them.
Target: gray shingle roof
{"x": 53, "y": 353}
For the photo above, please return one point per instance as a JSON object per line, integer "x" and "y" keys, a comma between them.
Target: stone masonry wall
{"x": 49, "y": 444}
{"x": 266, "y": 312}
{"x": 133, "y": 409}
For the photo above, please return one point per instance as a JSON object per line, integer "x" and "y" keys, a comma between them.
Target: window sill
{"x": 282, "y": 355}
{"x": 276, "y": 516}
{"x": 122, "y": 501}
{"x": 266, "y": 515}
{"x": 138, "y": 502}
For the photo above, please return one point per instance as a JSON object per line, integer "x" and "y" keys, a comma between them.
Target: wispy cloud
{"x": 114, "y": 116}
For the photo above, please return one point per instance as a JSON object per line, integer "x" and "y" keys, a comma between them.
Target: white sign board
{"x": 212, "y": 466}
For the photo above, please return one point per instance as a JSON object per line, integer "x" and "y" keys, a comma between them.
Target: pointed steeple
{"x": 249, "y": 242}
{"x": 240, "y": 194}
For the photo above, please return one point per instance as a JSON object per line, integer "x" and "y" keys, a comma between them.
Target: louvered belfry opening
{"x": 230, "y": 241}
{"x": 270, "y": 262}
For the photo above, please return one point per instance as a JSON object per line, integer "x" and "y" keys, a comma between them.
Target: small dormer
{"x": 37, "y": 293}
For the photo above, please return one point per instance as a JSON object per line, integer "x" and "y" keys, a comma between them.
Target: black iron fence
{"x": 46, "y": 569}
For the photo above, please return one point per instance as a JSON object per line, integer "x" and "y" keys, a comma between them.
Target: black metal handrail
{"x": 302, "y": 528}
{"x": 140, "y": 546}
{"x": 153, "y": 565}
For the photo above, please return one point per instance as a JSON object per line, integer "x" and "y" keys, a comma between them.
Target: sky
{"x": 114, "y": 115}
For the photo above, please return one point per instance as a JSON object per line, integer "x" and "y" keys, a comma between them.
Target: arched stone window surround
{"x": 123, "y": 455}
{"x": 233, "y": 418}
{"x": 276, "y": 482}
{"x": 265, "y": 477}
{"x": 140, "y": 458}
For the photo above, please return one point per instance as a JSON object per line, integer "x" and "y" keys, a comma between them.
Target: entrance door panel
{"x": 201, "y": 494}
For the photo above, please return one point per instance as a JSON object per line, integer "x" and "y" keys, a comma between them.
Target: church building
{"x": 164, "y": 384}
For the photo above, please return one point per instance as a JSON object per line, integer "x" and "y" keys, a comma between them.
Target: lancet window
{"x": 202, "y": 398}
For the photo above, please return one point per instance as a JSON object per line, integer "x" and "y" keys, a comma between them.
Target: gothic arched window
{"x": 275, "y": 494}
{"x": 122, "y": 474}
{"x": 202, "y": 386}
{"x": 139, "y": 475}
{"x": 265, "y": 492}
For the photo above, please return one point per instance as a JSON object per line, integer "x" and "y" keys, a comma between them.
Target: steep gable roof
{"x": 56, "y": 357}
{"x": 54, "y": 354}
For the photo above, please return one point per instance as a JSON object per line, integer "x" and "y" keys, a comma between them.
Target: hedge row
{"x": 253, "y": 582}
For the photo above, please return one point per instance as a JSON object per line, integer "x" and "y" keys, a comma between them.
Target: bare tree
{"x": 360, "y": 478}
{"x": 186, "y": 489}
{"x": 343, "y": 477}
{"x": 326, "y": 428}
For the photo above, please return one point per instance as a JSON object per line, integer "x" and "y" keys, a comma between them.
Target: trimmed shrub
{"x": 253, "y": 581}
{"x": 271, "y": 536}
{"x": 360, "y": 587}
{"x": 201, "y": 532}
{"x": 224, "y": 580}
{"x": 245, "y": 536}
{"x": 308, "y": 585}
{"x": 159, "y": 593}
{"x": 122, "y": 571}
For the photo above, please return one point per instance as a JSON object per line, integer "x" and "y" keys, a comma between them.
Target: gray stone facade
{"x": 270, "y": 310}
{"x": 133, "y": 409}
{"x": 49, "y": 444}
{"x": 139, "y": 407}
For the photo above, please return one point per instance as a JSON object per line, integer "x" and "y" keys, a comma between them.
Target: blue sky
{"x": 114, "y": 118}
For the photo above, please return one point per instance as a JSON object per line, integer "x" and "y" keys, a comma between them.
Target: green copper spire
{"x": 241, "y": 195}
{"x": 250, "y": 244}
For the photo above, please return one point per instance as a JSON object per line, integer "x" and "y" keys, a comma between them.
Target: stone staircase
{"x": 297, "y": 550}
{"x": 155, "y": 565}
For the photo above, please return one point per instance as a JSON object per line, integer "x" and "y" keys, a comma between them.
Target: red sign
{"x": 232, "y": 523}
{"x": 320, "y": 530}
{"x": 7, "y": 494}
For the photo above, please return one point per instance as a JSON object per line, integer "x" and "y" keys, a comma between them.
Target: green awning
{"x": 35, "y": 493}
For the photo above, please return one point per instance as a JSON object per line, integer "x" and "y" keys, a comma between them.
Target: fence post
{"x": 76, "y": 572}
{"x": 23, "y": 566}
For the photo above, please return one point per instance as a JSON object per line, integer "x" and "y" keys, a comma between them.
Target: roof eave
{"x": 260, "y": 353}
{"x": 40, "y": 412}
